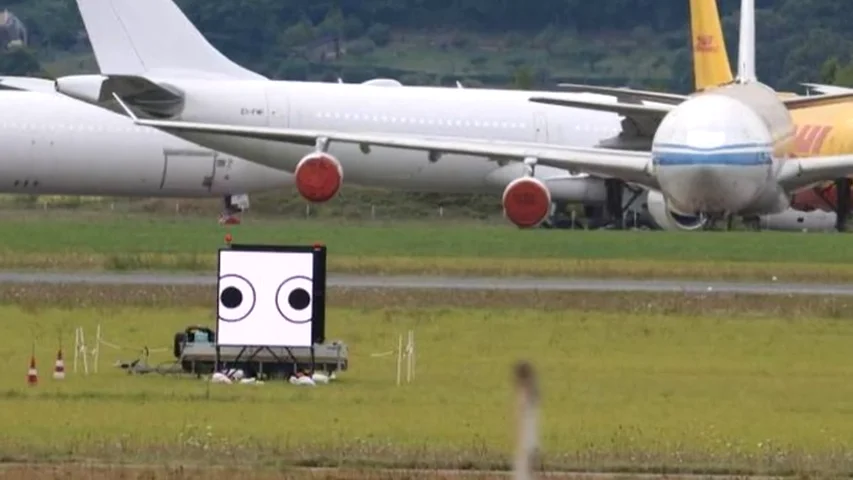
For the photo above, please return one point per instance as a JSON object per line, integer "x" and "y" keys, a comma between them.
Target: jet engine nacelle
{"x": 795, "y": 220}
{"x": 318, "y": 177}
{"x": 668, "y": 219}
{"x": 526, "y": 202}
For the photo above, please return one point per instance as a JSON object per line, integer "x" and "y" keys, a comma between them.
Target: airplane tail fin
{"x": 746, "y": 46}
{"x": 711, "y": 67}
{"x": 135, "y": 37}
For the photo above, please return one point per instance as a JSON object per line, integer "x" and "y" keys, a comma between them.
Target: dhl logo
{"x": 705, "y": 44}
{"x": 809, "y": 139}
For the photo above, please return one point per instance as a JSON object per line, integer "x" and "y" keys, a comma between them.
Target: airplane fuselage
{"x": 484, "y": 114}
{"x": 52, "y": 144}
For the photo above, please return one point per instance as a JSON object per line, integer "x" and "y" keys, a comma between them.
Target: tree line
{"x": 796, "y": 38}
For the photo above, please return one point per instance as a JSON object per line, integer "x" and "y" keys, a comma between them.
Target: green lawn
{"x": 620, "y": 391}
{"x": 150, "y": 242}
{"x": 398, "y": 239}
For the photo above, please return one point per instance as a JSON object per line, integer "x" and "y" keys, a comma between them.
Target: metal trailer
{"x": 195, "y": 349}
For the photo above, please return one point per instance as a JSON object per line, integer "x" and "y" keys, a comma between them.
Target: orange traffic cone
{"x": 59, "y": 367}
{"x": 32, "y": 373}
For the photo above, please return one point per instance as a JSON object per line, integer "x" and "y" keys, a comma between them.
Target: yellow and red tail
{"x": 711, "y": 66}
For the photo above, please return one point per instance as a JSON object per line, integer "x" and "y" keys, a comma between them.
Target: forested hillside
{"x": 643, "y": 43}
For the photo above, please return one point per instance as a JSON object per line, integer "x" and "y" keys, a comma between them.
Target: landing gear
{"x": 714, "y": 219}
{"x": 615, "y": 214}
{"x": 842, "y": 203}
{"x": 596, "y": 216}
{"x": 614, "y": 206}
{"x": 232, "y": 206}
{"x": 561, "y": 218}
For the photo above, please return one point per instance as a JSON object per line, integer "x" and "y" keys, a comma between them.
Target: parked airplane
{"x": 820, "y": 130}
{"x": 278, "y": 120}
{"x": 120, "y": 36}
{"x": 55, "y": 145}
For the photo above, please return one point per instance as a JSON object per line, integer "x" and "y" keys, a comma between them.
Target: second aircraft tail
{"x": 135, "y": 37}
{"x": 711, "y": 67}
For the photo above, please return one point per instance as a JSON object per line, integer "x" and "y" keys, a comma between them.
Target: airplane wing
{"x": 646, "y": 118}
{"x": 626, "y": 109}
{"x": 630, "y": 166}
{"x": 826, "y": 89}
{"x": 627, "y": 94}
{"x": 799, "y": 173}
{"x": 817, "y": 100}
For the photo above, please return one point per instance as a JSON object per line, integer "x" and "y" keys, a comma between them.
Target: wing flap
{"x": 803, "y": 172}
{"x": 818, "y": 100}
{"x": 626, "y": 94}
{"x": 631, "y": 166}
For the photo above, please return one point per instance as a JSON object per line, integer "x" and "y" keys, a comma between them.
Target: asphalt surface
{"x": 454, "y": 283}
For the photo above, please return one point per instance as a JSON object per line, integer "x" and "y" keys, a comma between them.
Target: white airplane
{"x": 56, "y": 145}
{"x": 123, "y": 44}
{"x": 457, "y": 140}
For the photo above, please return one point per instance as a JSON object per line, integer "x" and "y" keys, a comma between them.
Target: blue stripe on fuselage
{"x": 752, "y": 154}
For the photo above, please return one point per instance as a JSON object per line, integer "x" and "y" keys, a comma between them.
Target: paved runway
{"x": 455, "y": 283}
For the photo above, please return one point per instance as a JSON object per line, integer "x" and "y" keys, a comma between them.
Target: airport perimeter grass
{"x": 112, "y": 242}
{"x": 657, "y": 387}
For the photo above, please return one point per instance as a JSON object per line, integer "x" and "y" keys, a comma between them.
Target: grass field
{"x": 149, "y": 242}
{"x": 152, "y": 472}
{"x": 654, "y": 387}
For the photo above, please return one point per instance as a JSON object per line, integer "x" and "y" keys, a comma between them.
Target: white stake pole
{"x": 399, "y": 358}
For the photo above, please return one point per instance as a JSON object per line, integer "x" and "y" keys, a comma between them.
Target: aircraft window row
{"x": 376, "y": 118}
{"x": 450, "y": 123}
{"x": 421, "y": 121}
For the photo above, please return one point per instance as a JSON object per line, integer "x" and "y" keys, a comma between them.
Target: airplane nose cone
{"x": 712, "y": 155}
{"x": 717, "y": 181}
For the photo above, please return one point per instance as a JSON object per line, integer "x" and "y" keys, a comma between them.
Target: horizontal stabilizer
{"x": 626, "y": 93}
{"x": 826, "y": 89}
{"x": 632, "y": 167}
{"x": 800, "y": 173}
{"x": 786, "y": 95}
{"x": 149, "y": 97}
{"x": 29, "y": 84}
{"x": 625, "y": 109}
{"x": 818, "y": 100}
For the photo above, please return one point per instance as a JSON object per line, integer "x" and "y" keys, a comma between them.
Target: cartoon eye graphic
{"x": 236, "y": 298}
{"x": 293, "y": 299}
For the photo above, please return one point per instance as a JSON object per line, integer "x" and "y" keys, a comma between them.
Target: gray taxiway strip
{"x": 456, "y": 283}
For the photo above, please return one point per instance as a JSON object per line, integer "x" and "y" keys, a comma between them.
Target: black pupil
{"x": 299, "y": 299}
{"x": 231, "y": 297}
